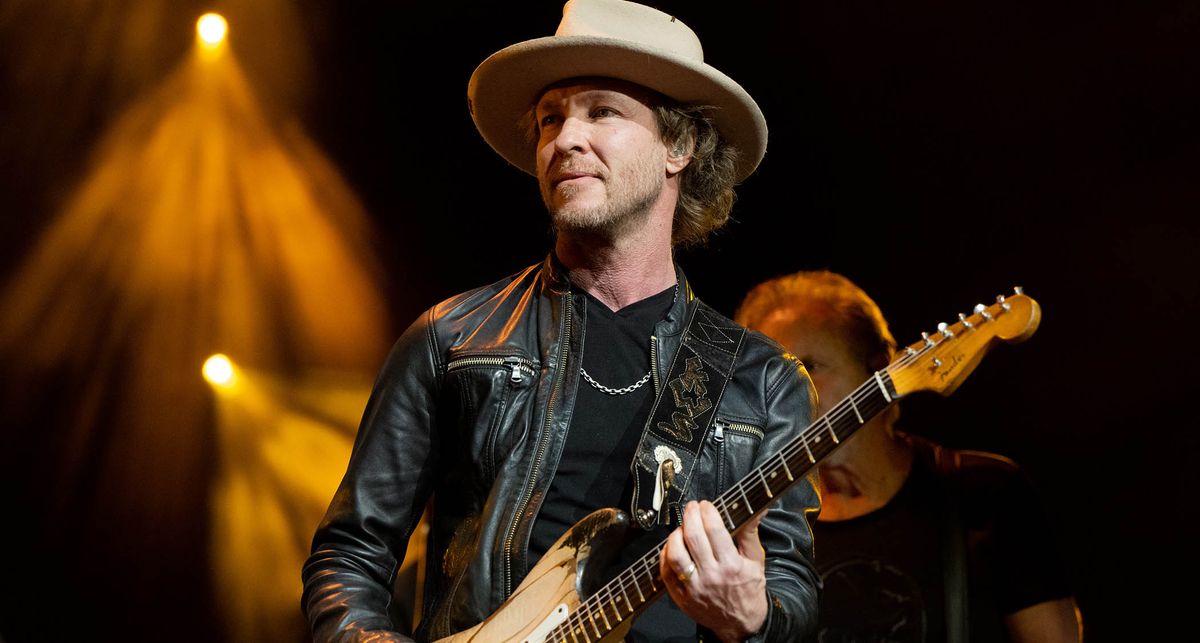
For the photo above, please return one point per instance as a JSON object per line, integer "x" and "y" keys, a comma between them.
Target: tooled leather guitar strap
{"x": 682, "y": 414}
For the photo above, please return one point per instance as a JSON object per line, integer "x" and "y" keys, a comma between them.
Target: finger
{"x": 748, "y": 542}
{"x": 675, "y": 558}
{"x": 696, "y": 538}
{"x": 717, "y": 533}
{"x": 670, "y": 565}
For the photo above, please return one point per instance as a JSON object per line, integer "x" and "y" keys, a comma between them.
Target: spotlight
{"x": 218, "y": 370}
{"x": 211, "y": 29}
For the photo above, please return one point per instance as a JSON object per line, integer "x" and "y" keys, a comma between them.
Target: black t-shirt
{"x": 883, "y": 572}
{"x": 593, "y": 471}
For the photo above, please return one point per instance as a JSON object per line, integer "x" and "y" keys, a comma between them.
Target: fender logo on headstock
{"x": 946, "y": 368}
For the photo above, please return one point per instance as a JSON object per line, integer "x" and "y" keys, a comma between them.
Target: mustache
{"x": 570, "y": 168}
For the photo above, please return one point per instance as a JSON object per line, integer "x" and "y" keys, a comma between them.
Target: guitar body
{"x": 556, "y": 585}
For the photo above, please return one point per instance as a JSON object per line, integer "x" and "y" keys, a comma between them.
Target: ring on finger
{"x": 685, "y": 576}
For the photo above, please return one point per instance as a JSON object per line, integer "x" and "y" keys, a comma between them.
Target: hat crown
{"x": 632, "y": 22}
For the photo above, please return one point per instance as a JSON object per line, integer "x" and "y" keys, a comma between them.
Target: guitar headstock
{"x": 942, "y": 360}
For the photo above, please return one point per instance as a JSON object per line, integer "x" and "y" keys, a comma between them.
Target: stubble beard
{"x": 627, "y": 207}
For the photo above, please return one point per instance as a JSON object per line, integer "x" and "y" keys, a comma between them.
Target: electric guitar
{"x": 561, "y": 599}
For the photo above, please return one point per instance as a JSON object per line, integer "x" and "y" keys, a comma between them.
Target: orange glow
{"x": 218, "y": 370}
{"x": 205, "y": 221}
{"x": 284, "y": 444}
{"x": 211, "y": 29}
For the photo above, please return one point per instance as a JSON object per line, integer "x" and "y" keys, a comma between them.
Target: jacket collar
{"x": 558, "y": 279}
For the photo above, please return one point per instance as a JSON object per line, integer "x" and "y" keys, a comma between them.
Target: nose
{"x": 572, "y": 136}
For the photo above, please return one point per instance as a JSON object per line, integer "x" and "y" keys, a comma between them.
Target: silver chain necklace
{"x": 632, "y": 387}
{"x": 615, "y": 391}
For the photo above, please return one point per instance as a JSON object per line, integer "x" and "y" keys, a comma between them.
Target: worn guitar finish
{"x": 561, "y": 600}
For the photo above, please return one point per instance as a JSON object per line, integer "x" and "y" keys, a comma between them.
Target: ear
{"x": 679, "y": 156}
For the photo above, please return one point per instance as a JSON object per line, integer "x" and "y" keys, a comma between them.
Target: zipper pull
{"x": 718, "y": 435}
{"x": 515, "y": 364}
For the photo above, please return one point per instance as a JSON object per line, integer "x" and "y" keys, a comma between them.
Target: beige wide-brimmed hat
{"x": 614, "y": 39}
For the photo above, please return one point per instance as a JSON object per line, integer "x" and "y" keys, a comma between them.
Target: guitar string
{"x": 790, "y": 451}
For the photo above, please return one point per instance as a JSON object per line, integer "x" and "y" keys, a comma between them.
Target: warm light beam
{"x": 211, "y": 29}
{"x": 205, "y": 221}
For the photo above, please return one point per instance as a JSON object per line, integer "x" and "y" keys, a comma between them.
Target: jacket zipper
{"x": 519, "y": 366}
{"x": 541, "y": 448}
{"x": 736, "y": 427}
{"x": 654, "y": 363}
{"x": 718, "y": 438}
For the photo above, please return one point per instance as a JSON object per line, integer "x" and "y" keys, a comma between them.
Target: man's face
{"x": 601, "y": 163}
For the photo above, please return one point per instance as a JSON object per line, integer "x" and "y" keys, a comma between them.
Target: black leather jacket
{"x": 472, "y": 408}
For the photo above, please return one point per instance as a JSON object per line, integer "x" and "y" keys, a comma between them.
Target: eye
{"x": 547, "y": 120}
{"x": 604, "y": 112}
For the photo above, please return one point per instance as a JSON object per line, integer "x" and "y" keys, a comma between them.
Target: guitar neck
{"x": 640, "y": 583}
{"x": 781, "y": 471}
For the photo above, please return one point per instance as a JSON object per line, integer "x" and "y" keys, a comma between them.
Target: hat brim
{"x": 504, "y": 88}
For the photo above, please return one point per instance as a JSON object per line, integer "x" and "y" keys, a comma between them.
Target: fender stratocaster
{"x": 561, "y": 600}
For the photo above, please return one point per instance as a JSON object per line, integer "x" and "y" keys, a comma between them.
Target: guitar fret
{"x": 572, "y": 624}
{"x": 742, "y": 489}
{"x": 625, "y": 595}
{"x": 804, "y": 441}
{"x": 607, "y": 625}
{"x": 882, "y": 388}
{"x": 855, "y": 407}
{"x": 766, "y": 486}
{"x": 832, "y": 433}
{"x": 638, "y": 587}
{"x": 592, "y": 618}
{"x": 650, "y": 574}
{"x": 786, "y": 468}
{"x": 728, "y": 518}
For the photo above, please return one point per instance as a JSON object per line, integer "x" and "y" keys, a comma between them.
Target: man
{"x": 591, "y": 380}
{"x": 915, "y": 541}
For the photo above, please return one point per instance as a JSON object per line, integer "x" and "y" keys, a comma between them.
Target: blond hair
{"x": 831, "y": 298}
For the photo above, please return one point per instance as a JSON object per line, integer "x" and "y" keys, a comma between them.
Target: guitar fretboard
{"x": 637, "y": 585}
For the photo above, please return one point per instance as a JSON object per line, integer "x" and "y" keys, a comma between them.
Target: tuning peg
{"x": 966, "y": 324}
{"x": 982, "y": 311}
{"x": 909, "y": 350}
{"x": 1003, "y": 304}
{"x": 1017, "y": 290}
{"x": 928, "y": 341}
{"x": 944, "y": 329}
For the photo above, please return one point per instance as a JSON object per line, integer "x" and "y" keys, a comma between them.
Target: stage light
{"x": 211, "y": 29}
{"x": 218, "y": 370}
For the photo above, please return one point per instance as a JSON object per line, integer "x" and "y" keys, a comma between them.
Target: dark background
{"x": 937, "y": 153}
